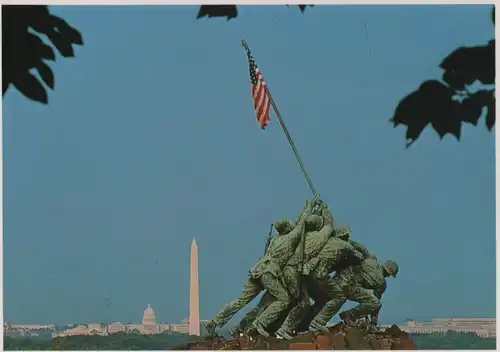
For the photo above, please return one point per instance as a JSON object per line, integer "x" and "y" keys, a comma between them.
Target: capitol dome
{"x": 149, "y": 317}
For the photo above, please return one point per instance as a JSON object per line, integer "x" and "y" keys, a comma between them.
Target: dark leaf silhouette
{"x": 38, "y": 18}
{"x": 46, "y": 73}
{"x": 229, "y": 11}
{"x": 31, "y": 88}
{"x": 39, "y": 48}
{"x": 303, "y": 7}
{"x": 473, "y": 107}
{"x": 446, "y": 105}
{"x": 471, "y": 63}
{"x": 67, "y": 31}
{"x": 24, "y": 49}
{"x": 490, "y": 114}
{"x": 62, "y": 44}
{"x": 427, "y": 105}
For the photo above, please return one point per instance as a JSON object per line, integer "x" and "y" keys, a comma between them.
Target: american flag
{"x": 260, "y": 95}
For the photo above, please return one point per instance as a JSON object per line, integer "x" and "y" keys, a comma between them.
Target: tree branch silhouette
{"x": 24, "y": 50}
{"x": 462, "y": 96}
{"x": 444, "y": 104}
{"x": 229, "y": 11}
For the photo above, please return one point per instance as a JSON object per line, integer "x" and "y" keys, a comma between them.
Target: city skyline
{"x": 148, "y": 326}
{"x": 482, "y": 326}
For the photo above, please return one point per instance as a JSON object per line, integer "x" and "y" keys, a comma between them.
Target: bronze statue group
{"x": 309, "y": 259}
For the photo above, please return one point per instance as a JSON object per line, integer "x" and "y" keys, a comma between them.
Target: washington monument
{"x": 194, "y": 295}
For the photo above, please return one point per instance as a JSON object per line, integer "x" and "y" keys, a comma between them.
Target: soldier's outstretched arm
{"x": 317, "y": 209}
{"x": 313, "y": 203}
{"x": 326, "y": 214}
{"x": 302, "y": 218}
{"x": 296, "y": 234}
{"x": 323, "y": 235}
{"x": 288, "y": 243}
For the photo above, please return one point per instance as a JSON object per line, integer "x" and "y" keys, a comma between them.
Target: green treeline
{"x": 117, "y": 341}
{"x": 169, "y": 340}
{"x": 452, "y": 340}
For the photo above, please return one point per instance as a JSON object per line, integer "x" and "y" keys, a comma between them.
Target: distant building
{"x": 116, "y": 327}
{"x": 183, "y": 327}
{"x": 27, "y": 329}
{"x": 483, "y": 327}
{"x": 88, "y": 329}
{"x": 148, "y": 326}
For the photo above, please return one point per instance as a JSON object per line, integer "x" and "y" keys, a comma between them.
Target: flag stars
{"x": 260, "y": 95}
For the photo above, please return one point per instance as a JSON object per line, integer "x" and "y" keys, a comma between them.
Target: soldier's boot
{"x": 284, "y": 333}
{"x": 318, "y": 326}
{"x": 211, "y": 325}
{"x": 251, "y": 331}
{"x": 372, "y": 328}
{"x": 348, "y": 318}
{"x": 260, "y": 328}
{"x": 235, "y": 332}
{"x": 363, "y": 324}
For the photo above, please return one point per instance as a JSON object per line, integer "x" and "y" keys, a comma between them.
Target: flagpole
{"x": 287, "y": 134}
{"x": 290, "y": 141}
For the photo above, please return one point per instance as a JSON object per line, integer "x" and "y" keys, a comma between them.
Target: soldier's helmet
{"x": 314, "y": 222}
{"x": 391, "y": 267}
{"x": 283, "y": 226}
{"x": 343, "y": 231}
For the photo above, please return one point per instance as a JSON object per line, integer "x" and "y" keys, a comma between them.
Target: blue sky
{"x": 150, "y": 140}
